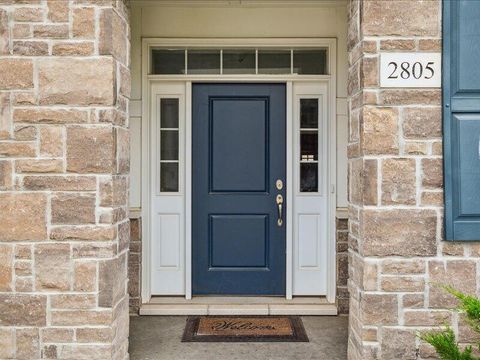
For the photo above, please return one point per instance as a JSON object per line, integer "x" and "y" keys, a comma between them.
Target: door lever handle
{"x": 280, "y": 209}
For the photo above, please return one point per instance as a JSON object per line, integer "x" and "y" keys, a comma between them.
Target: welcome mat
{"x": 244, "y": 329}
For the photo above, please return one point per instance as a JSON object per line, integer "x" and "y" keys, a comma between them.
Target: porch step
{"x": 238, "y": 306}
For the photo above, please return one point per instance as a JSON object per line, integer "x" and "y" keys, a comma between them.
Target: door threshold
{"x": 235, "y": 305}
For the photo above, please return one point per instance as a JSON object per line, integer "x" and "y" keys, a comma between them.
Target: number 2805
{"x": 406, "y": 70}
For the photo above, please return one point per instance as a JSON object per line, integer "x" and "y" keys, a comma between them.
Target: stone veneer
{"x": 135, "y": 265}
{"x": 342, "y": 265}
{"x": 64, "y": 163}
{"x": 396, "y": 252}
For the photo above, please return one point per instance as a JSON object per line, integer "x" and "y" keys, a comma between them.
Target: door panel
{"x": 167, "y": 203}
{"x": 468, "y": 45}
{"x": 236, "y": 167}
{"x": 239, "y": 152}
{"x": 238, "y": 241}
{"x": 467, "y": 150}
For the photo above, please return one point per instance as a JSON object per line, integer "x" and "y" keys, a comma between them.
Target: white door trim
{"x": 148, "y": 80}
{"x": 188, "y": 192}
{"x": 289, "y": 197}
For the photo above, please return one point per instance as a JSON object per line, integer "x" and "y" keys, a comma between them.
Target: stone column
{"x": 64, "y": 162}
{"x": 396, "y": 250}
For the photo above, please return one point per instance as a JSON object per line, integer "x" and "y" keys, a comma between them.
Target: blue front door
{"x": 238, "y": 189}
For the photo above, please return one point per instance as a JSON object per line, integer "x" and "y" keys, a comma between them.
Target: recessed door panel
{"x": 468, "y": 49}
{"x": 168, "y": 240}
{"x": 308, "y": 233}
{"x": 238, "y": 144}
{"x": 239, "y": 241}
{"x": 239, "y": 153}
{"x": 467, "y": 146}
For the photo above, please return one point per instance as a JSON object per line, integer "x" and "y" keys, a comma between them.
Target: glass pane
{"x": 310, "y": 62}
{"x": 169, "y": 145}
{"x": 169, "y": 177}
{"x": 274, "y": 62}
{"x": 239, "y": 61}
{"x": 203, "y": 62}
{"x": 309, "y": 113}
{"x": 309, "y": 177}
{"x": 309, "y": 145}
{"x": 169, "y": 113}
{"x": 168, "y": 62}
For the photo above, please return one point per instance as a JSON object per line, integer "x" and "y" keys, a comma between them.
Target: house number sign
{"x": 410, "y": 70}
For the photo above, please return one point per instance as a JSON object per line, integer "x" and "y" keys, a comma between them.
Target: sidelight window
{"x": 169, "y": 144}
{"x": 309, "y": 131}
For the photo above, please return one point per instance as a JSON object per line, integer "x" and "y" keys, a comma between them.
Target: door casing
{"x": 289, "y": 80}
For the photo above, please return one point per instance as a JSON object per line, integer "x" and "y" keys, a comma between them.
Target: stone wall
{"x": 396, "y": 252}
{"x": 64, "y": 163}
{"x": 135, "y": 265}
{"x": 342, "y": 265}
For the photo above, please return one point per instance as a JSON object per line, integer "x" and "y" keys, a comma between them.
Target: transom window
{"x": 232, "y": 61}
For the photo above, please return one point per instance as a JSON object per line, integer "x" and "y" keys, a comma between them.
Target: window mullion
{"x": 186, "y": 62}
{"x": 221, "y": 61}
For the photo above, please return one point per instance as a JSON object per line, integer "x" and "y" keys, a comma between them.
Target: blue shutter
{"x": 461, "y": 118}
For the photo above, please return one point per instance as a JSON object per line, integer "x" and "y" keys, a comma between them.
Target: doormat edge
{"x": 192, "y": 323}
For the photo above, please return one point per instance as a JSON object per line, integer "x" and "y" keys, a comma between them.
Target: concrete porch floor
{"x": 159, "y": 337}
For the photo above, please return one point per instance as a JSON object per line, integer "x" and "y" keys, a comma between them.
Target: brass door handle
{"x": 280, "y": 209}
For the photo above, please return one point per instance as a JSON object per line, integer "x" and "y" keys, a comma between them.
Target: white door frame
{"x": 289, "y": 80}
